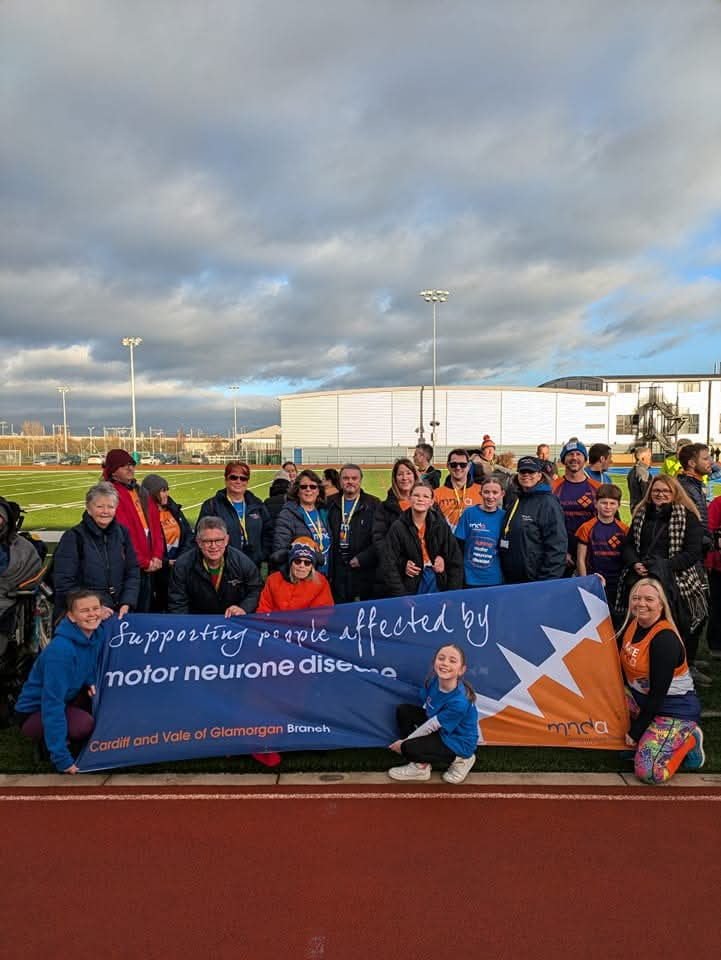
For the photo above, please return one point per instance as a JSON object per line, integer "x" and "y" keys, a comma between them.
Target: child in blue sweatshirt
{"x": 65, "y": 669}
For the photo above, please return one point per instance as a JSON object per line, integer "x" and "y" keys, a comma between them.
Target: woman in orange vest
{"x": 660, "y": 693}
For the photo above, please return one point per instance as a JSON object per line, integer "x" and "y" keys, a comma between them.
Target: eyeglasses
{"x": 238, "y": 476}
{"x": 304, "y": 563}
{"x": 307, "y": 486}
{"x": 212, "y": 543}
{"x": 457, "y": 464}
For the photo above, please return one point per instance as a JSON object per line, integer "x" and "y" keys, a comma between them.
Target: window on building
{"x": 692, "y": 423}
{"x": 689, "y": 386}
{"x": 628, "y": 387}
{"x": 595, "y": 403}
{"x": 626, "y": 424}
{"x": 595, "y": 426}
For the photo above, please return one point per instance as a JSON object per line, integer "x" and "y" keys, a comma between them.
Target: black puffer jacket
{"x": 191, "y": 590}
{"x": 403, "y": 544}
{"x": 99, "y": 559}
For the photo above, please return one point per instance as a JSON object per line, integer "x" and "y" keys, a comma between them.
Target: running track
{"x": 342, "y": 873}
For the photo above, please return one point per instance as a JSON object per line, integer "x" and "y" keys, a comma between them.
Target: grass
{"x": 53, "y": 500}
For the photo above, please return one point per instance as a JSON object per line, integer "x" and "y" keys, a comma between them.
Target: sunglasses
{"x": 307, "y": 486}
{"x": 303, "y": 563}
{"x": 457, "y": 464}
{"x": 238, "y": 476}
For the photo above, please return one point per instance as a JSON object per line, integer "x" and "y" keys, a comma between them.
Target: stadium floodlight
{"x": 62, "y": 390}
{"x": 234, "y": 391}
{"x": 132, "y": 343}
{"x": 433, "y": 297}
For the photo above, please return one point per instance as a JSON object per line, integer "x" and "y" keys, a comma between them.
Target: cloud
{"x": 260, "y": 191}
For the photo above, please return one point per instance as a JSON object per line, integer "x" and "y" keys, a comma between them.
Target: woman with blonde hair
{"x": 663, "y": 705}
{"x": 665, "y": 542}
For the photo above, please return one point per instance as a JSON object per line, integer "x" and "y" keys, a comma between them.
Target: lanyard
{"x": 510, "y": 516}
{"x": 347, "y": 519}
{"x": 215, "y": 576}
{"x": 460, "y": 500}
{"x": 241, "y": 518}
{"x": 317, "y": 528}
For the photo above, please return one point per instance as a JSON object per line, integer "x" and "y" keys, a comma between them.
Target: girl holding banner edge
{"x": 662, "y": 700}
{"x": 445, "y": 729}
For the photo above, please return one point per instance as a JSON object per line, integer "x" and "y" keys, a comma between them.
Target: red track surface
{"x": 411, "y": 873}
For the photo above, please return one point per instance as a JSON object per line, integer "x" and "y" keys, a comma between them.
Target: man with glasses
{"x": 213, "y": 577}
{"x": 459, "y": 489}
{"x": 350, "y": 524}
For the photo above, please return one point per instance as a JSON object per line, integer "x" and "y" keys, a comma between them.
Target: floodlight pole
{"x": 62, "y": 391}
{"x": 234, "y": 391}
{"x": 132, "y": 342}
{"x": 433, "y": 297}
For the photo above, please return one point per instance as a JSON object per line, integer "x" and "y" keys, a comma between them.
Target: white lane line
{"x": 671, "y": 797}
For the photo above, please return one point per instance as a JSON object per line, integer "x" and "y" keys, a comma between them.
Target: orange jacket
{"x": 280, "y": 594}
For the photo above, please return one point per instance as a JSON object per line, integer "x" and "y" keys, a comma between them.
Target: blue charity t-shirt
{"x": 456, "y": 714}
{"x": 481, "y": 532}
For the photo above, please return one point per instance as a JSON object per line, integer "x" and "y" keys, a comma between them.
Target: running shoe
{"x": 696, "y": 757}
{"x": 411, "y": 771}
{"x": 459, "y": 769}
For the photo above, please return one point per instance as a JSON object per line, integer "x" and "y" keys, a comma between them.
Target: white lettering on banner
{"x": 157, "y": 640}
{"x": 366, "y": 631}
{"x": 470, "y": 618}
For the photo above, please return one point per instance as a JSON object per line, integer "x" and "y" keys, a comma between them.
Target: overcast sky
{"x": 260, "y": 190}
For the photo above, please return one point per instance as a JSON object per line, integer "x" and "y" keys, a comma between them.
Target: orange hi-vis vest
{"x": 636, "y": 661}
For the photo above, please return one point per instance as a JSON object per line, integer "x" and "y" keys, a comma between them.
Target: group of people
{"x": 325, "y": 540}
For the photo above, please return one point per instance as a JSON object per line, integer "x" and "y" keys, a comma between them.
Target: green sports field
{"x": 54, "y": 498}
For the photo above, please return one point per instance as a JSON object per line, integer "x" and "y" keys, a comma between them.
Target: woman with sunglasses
{"x": 420, "y": 553}
{"x": 304, "y": 515}
{"x": 298, "y": 585}
{"x": 246, "y": 517}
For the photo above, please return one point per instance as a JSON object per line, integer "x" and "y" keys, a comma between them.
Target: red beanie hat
{"x": 487, "y": 442}
{"x": 113, "y": 460}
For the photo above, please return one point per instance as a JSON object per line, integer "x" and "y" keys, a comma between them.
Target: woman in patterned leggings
{"x": 662, "y": 700}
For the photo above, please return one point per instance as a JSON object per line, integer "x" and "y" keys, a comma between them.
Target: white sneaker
{"x": 411, "y": 771}
{"x": 459, "y": 769}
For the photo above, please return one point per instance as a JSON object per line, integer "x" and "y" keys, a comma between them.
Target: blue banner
{"x": 542, "y": 658}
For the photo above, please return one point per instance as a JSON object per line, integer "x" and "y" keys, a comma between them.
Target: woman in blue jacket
{"x": 245, "y": 516}
{"x": 98, "y": 554}
{"x": 49, "y": 706}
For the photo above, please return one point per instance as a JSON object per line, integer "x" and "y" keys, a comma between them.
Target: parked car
{"x": 199, "y": 458}
{"x": 46, "y": 459}
{"x": 169, "y": 458}
{"x": 149, "y": 459}
{"x": 71, "y": 460}
{"x": 95, "y": 459}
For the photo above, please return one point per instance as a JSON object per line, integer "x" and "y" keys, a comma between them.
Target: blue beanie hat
{"x": 573, "y": 445}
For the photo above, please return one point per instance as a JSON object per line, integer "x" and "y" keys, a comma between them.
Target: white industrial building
{"x": 380, "y": 424}
{"x": 656, "y": 410}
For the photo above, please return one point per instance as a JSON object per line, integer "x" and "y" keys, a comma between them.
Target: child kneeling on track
{"x": 445, "y": 729}
{"x": 49, "y": 706}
